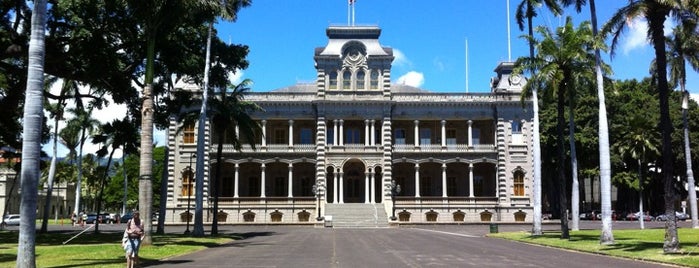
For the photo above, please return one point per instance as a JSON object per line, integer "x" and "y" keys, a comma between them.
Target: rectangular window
{"x": 352, "y": 136}
{"x": 188, "y": 134}
{"x": 451, "y": 136}
{"x": 519, "y": 184}
{"x": 330, "y": 136}
{"x": 425, "y": 136}
{"x": 516, "y": 127}
{"x": 306, "y": 136}
{"x": 187, "y": 183}
{"x": 280, "y": 136}
{"x": 476, "y": 136}
{"x": 400, "y": 136}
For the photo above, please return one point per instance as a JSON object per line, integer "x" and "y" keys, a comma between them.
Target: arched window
{"x": 360, "y": 80}
{"x": 346, "y": 79}
{"x": 332, "y": 83}
{"x": 519, "y": 183}
{"x": 374, "y": 79}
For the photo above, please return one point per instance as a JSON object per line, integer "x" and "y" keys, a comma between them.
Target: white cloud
{"x": 400, "y": 60}
{"x": 637, "y": 36}
{"x": 412, "y": 78}
{"x": 236, "y": 78}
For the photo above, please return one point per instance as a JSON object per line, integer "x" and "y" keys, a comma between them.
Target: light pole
{"x": 395, "y": 190}
{"x": 317, "y": 189}
{"x": 190, "y": 174}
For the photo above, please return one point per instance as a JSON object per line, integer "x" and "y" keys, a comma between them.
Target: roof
{"x": 312, "y": 87}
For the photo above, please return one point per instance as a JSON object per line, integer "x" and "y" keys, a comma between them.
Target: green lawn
{"x": 635, "y": 244}
{"x": 101, "y": 250}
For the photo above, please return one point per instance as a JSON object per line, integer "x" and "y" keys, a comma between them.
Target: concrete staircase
{"x": 357, "y": 215}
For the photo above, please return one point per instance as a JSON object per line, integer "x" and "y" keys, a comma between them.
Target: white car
{"x": 11, "y": 219}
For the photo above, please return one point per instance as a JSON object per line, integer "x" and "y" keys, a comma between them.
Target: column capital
{"x": 444, "y": 122}
{"x": 263, "y": 121}
{"x": 366, "y": 121}
{"x": 341, "y": 121}
{"x": 372, "y": 121}
{"x": 444, "y": 165}
{"x": 262, "y": 165}
{"x": 470, "y": 122}
{"x": 417, "y": 166}
{"x": 291, "y": 121}
{"x": 417, "y": 122}
{"x": 291, "y": 165}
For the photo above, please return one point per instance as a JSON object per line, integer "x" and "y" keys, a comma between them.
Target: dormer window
{"x": 374, "y": 84}
{"x": 346, "y": 80}
{"x": 360, "y": 80}
{"x": 332, "y": 84}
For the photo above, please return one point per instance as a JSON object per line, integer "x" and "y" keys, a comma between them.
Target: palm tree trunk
{"x": 201, "y": 132}
{"x": 605, "y": 167}
{"x": 78, "y": 184}
{"x": 692, "y": 192}
{"x": 31, "y": 144}
{"x": 49, "y": 190}
{"x": 217, "y": 179}
{"x": 536, "y": 152}
{"x": 99, "y": 196}
{"x": 640, "y": 194}
{"x": 145, "y": 173}
{"x": 163, "y": 191}
{"x": 575, "y": 191}
{"x": 562, "y": 199}
{"x": 126, "y": 184}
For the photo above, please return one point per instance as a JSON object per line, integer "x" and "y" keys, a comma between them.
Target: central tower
{"x": 354, "y": 62}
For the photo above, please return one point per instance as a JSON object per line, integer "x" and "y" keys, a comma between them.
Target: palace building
{"x": 333, "y": 150}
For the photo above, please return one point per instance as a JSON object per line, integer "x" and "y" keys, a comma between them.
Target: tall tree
{"x": 605, "y": 167}
{"x": 113, "y": 136}
{"x": 683, "y": 48}
{"x": 526, "y": 9}
{"x": 228, "y": 10}
{"x": 655, "y": 12}
{"x": 31, "y": 144}
{"x": 87, "y": 125}
{"x": 561, "y": 59}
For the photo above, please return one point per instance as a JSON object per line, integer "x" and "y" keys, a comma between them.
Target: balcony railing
{"x": 400, "y": 148}
{"x": 445, "y": 202}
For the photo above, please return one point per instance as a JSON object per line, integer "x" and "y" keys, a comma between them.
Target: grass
{"x": 644, "y": 245}
{"x": 100, "y": 250}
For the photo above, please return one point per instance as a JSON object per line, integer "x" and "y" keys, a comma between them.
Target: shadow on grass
{"x": 8, "y": 257}
{"x": 93, "y": 263}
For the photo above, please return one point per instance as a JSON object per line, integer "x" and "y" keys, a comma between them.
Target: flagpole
{"x": 353, "y": 12}
{"x": 509, "y": 50}
{"x": 349, "y": 3}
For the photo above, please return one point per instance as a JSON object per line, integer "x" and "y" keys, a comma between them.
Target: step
{"x": 357, "y": 215}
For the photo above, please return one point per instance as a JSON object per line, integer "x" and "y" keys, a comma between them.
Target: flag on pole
{"x": 351, "y": 2}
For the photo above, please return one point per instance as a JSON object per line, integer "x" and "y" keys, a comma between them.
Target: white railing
{"x": 402, "y": 148}
{"x": 407, "y": 148}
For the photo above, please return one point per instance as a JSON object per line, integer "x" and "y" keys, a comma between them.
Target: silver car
{"x": 11, "y": 219}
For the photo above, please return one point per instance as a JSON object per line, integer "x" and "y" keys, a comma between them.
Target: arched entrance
{"x": 354, "y": 181}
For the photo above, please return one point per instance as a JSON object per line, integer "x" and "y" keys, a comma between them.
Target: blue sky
{"x": 429, "y": 38}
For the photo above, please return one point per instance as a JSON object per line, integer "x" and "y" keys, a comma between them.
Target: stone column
{"x": 417, "y": 133}
{"x": 342, "y": 188}
{"x": 335, "y": 196}
{"x": 236, "y": 180}
{"x": 342, "y": 133}
{"x": 366, "y": 187}
{"x": 444, "y": 180}
{"x": 291, "y": 133}
{"x": 470, "y": 133}
{"x": 444, "y": 133}
{"x": 372, "y": 194}
{"x": 470, "y": 180}
{"x": 417, "y": 179}
{"x": 262, "y": 181}
{"x": 291, "y": 180}
{"x": 373, "y": 132}
{"x": 366, "y": 132}
{"x": 264, "y": 133}
{"x": 335, "y": 133}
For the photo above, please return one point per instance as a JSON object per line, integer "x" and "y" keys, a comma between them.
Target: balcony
{"x": 273, "y": 148}
{"x": 449, "y": 148}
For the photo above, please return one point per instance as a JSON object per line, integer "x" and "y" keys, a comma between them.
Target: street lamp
{"x": 190, "y": 174}
{"x": 317, "y": 189}
{"x": 395, "y": 190}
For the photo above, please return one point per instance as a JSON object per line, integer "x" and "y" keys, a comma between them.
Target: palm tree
{"x": 112, "y": 136}
{"x": 605, "y": 167}
{"x": 526, "y": 10}
{"x": 655, "y": 13}
{"x": 562, "y": 58}
{"x": 639, "y": 144}
{"x": 56, "y": 112}
{"x": 31, "y": 143}
{"x": 228, "y": 10}
{"x": 87, "y": 125}
{"x": 69, "y": 136}
{"x": 683, "y": 48}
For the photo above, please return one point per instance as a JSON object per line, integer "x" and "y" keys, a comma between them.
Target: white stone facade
{"x": 459, "y": 157}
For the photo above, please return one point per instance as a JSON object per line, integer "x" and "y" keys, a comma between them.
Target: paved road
{"x": 419, "y": 246}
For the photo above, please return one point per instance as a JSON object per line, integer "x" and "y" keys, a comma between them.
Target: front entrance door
{"x": 354, "y": 182}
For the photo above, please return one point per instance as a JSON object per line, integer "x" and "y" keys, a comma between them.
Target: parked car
{"x": 679, "y": 215}
{"x": 10, "y": 219}
{"x": 635, "y": 216}
{"x": 590, "y": 215}
{"x": 126, "y": 217}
